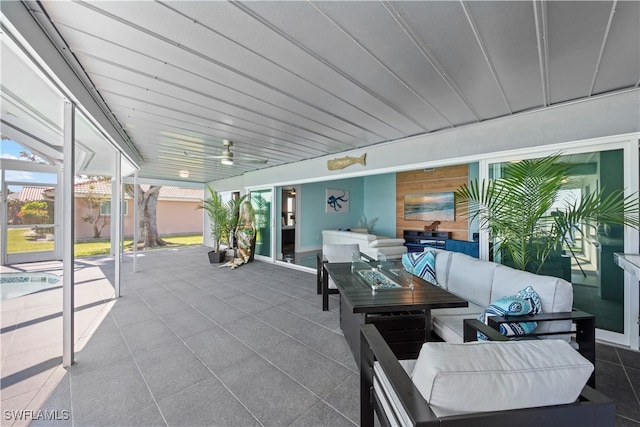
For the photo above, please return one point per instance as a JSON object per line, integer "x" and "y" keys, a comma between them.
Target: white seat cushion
{"x": 493, "y": 376}
{"x": 471, "y": 278}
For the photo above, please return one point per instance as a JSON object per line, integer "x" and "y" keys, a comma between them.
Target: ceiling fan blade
{"x": 228, "y": 157}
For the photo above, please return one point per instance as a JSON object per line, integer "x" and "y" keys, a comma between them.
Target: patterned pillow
{"x": 526, "y": 301}
{"x": 421, "y": 264}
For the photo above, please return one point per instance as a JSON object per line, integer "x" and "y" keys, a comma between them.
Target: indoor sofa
{"x": 370, "y": 244}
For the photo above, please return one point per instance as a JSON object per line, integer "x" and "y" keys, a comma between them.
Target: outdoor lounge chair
{"x": 391, "y": 388}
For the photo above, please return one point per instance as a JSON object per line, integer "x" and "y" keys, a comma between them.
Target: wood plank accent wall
{"x": 439, "y": 180}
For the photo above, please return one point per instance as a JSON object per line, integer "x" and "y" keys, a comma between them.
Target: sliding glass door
{"x": 585, "y": 258}
{"x": 262, "y": 202}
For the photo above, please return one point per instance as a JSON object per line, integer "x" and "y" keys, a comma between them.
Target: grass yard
{"x": 19, "y": 241}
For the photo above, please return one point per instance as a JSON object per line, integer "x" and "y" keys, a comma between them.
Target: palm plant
{"x": 517, "y": 210}
{"x": 218, "y": 212}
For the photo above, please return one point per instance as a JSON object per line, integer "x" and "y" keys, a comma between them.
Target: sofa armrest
{"x": 473, "y": 326}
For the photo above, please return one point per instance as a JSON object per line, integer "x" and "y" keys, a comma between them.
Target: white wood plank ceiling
{"x": 288, "y": 81}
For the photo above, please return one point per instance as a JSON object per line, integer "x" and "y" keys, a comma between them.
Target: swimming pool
{"x": 13, "y": 285}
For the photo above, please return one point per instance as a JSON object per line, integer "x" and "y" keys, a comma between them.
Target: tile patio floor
{"x": 192, "y": 344}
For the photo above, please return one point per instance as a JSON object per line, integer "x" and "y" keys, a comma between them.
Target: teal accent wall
{"x": 313, "y": 210}
{"x": 380, "y": 202}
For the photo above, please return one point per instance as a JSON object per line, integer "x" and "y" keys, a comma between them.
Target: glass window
{"x": 105, "y": 208}
{"x": 584, "y": 256}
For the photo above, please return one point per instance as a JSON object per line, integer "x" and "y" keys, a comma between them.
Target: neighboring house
{"x": 177, "y": 211}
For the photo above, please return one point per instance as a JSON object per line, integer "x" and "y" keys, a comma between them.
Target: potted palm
{"x": 518, "y": 212}
{"x": 219, "y": 216}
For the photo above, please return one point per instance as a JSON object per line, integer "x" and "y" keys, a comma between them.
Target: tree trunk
{"x": 147, "y": 208}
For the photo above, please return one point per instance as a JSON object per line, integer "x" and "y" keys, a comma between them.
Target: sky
{"x": 11, "y": 150}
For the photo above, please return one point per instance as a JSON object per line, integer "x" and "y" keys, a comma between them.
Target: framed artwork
{"x": 429, "y": 207}
{"x": 337, "y": 201}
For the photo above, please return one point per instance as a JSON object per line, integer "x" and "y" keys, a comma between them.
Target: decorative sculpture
{"x": 343, "y": 162}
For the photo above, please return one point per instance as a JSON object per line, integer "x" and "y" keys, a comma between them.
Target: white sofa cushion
{"x": 443, "y": 261}
{"x": 493, "y": 376}
{"x": 471, "y": 278}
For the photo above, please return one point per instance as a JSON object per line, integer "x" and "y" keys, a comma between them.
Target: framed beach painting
{"x": 429, "y": 207}
{"x": 337, "y": 201}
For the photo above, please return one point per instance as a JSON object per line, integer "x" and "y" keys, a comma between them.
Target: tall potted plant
{"x": 517, "y": 210}
{"x": 219, "y": 217}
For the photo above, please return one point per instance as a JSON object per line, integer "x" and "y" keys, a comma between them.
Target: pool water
{"x": 13, "y": 285}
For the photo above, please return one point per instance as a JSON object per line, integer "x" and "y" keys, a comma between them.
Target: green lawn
{"x": 19, "y": 241}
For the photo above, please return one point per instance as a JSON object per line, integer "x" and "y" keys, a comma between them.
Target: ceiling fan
{"x": 226, "y": 157}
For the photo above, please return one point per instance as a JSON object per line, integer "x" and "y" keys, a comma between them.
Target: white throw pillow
{"x": 455, "y": 378}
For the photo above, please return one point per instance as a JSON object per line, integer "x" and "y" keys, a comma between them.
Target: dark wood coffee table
{"x": 402, "y": 316}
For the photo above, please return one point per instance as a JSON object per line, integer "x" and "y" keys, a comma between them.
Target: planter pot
{"x": 217, "y": 257}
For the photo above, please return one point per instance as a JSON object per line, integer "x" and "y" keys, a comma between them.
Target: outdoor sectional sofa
{"x": 483, "y": 282}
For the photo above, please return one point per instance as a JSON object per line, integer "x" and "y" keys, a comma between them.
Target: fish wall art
{"x": 343, "y": 162}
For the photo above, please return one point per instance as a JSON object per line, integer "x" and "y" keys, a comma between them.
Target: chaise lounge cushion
{"x": 493, "y": 376}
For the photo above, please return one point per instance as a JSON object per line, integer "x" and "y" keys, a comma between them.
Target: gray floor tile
{"x": 273, "y": 397}
{"x": 219, "y": 311}
{"x": 60, "y": 403}
{"x": 115, "y": 389}
{"x": 165, "y": 304}
{"x": 170, "y": 368}
{"x": 255, "y": 334}
{"x": 288, "y": 323}
{"x": 310, "y": 368}
{"x": 331, "y": 344}
{"x": 249, "y": 303}
{"x": 187, "y": 322}
{"x": 145, "y": 336}
{"x": 218, "y": 349}
{"x": 129, "y": 314}
{"x": 322, "y": 415}
{"x": 312, "y": 313}
{"x": 346, "y": 398}
{"x": 207, "y": 403}
{"x": 101, "y": 350}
